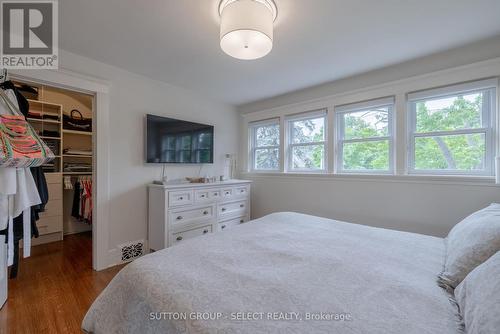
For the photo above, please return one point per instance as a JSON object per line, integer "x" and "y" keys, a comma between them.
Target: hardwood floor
{"x": 54, "y": 288}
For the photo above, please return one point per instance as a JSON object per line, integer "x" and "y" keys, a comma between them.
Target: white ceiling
{"x": 316, "y": 41}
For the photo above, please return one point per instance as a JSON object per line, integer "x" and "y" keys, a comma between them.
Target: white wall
{"x": 431, "y": 208}
{"x": 131, "y": 98}
{"x": 428, "y": 205}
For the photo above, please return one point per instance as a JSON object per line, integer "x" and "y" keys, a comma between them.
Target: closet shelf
{"x": 78, "y": 132}
{"x": 40, "y": 120}
{"x": 55, "y": 105}
{"x": 78, "y": 155}
{"x": 48, "y": 137}
{"x": 77, "y": 173}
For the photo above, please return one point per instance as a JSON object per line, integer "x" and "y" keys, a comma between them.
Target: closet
{"x": 63, "y": 119}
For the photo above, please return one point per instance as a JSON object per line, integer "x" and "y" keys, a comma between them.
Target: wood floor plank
{"x": 54, "y": 288}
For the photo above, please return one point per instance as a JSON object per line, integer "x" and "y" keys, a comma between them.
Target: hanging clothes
{"x": 87, "y": 201}
{"x": 75, "y": 208}
{"x": 37, "y": 172}
{"x": 82, "y": 200}
{"x": 30, "y": 189}
{"x": 18, "y": 193}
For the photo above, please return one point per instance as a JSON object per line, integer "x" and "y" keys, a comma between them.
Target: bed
{"x": 283, "y": 273}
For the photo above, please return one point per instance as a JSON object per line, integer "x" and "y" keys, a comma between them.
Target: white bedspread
{"x": 359, "y": 279}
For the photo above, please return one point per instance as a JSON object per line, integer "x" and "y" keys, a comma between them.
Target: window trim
{"x": 488, "y": 127}
{"x": 400, "y": 150}
{"x": 321, "y": 113}
{"x": 340, "y": 111}
{"x": 252, "y": 127}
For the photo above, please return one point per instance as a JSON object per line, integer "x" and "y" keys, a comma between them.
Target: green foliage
{"x": 453, "y": 152}
{"x": 368, "y": 155}
{"x": 462, "y": 113}
{"x": 372, "y": 155}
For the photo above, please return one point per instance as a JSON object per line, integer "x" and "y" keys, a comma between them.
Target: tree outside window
{"x": 450, "y": 134}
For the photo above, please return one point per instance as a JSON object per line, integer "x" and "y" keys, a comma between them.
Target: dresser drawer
{"x": 235, "y": 192}
{"x": 241, "y": 191}
{"x": 227, "y": 224}
{"x": 181, "y": 236}
{"x": 55, "y": 191}
{"x": 53, "y": 208}
{"x": 232, "y": 209}
{"x": 181, "y": 197}
{"x": 201, "y": 196}
{"x": 206, "y": 195}
{"x": 47, "y": 225}
{"x": 215, "y": 194}
{"x": 187, "y": 216}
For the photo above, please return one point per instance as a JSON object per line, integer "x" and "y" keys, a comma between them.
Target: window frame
{"x": 289, "y": 120}
{"x": 488, "y": 125}
{"x": 252, "y": 127}
{"x": 340, "y": 111}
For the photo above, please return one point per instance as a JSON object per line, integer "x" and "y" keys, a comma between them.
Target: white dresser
{"x": 182, "y": 211}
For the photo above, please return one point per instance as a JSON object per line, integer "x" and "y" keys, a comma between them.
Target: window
{"x": 265, "y": 145}
{"x": 306, "y": 142}
{"x": 365, "y": 136}
{"x": 451, "y": 129}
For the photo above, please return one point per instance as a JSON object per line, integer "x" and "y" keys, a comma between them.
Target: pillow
{"x": 478, "y": 297}
{"x": 470, "y": 243}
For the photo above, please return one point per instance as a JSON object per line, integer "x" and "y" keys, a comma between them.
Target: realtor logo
{"x": 29, "y": 34}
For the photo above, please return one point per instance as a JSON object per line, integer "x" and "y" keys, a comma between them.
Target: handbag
{"x": 72, "y": 122}
{"x": 20, "y": 146}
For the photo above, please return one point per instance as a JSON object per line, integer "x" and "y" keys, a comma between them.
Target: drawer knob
{"x": 227, "y": 192}
{"x": 179, "y": 238}
{"x": 223, "y": 209}
{"x": 179, "y": 218}
{"x": 205, "y": 212}
{"x": 242, "y": 221}
{"x": 242, "y": 191}
{"x": 223, "y": 227}
{"x": 181, "y": 198}
{"x": 216, "y": 194}
{"x": 202, "y": 196}
{"x": 205, "y": 231}
{"x": 242, "y": 205}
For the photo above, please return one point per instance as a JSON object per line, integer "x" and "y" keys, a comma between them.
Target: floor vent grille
{"x": 132, "y": 250}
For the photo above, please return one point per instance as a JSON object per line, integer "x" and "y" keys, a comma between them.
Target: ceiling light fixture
{"x": 246, "y": 27}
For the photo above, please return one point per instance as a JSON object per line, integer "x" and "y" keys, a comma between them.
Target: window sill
{"x": 361, "y": 177}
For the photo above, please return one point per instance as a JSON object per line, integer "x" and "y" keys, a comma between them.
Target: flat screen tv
{"x": 171, "y": 140}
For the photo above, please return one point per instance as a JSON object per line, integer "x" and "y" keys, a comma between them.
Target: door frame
{"x": 99, "y": 88}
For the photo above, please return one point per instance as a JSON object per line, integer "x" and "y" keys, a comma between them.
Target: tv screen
{"x": 171, "y": 140}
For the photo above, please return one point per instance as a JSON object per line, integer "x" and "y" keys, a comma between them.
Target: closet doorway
{"x": 64, "y": 120}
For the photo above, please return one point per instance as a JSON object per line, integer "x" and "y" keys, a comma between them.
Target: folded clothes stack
{"x": 49, "y": 167}
{"x": 77, "y": 152}
{"x": 49, "y": 133}
{"x": 74, "y": 167}
{"x": 45, "y": 115}
{"x": 51, "y": 116}
{"x": 35, "y": 114}
{"x": 53, "y": 145}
